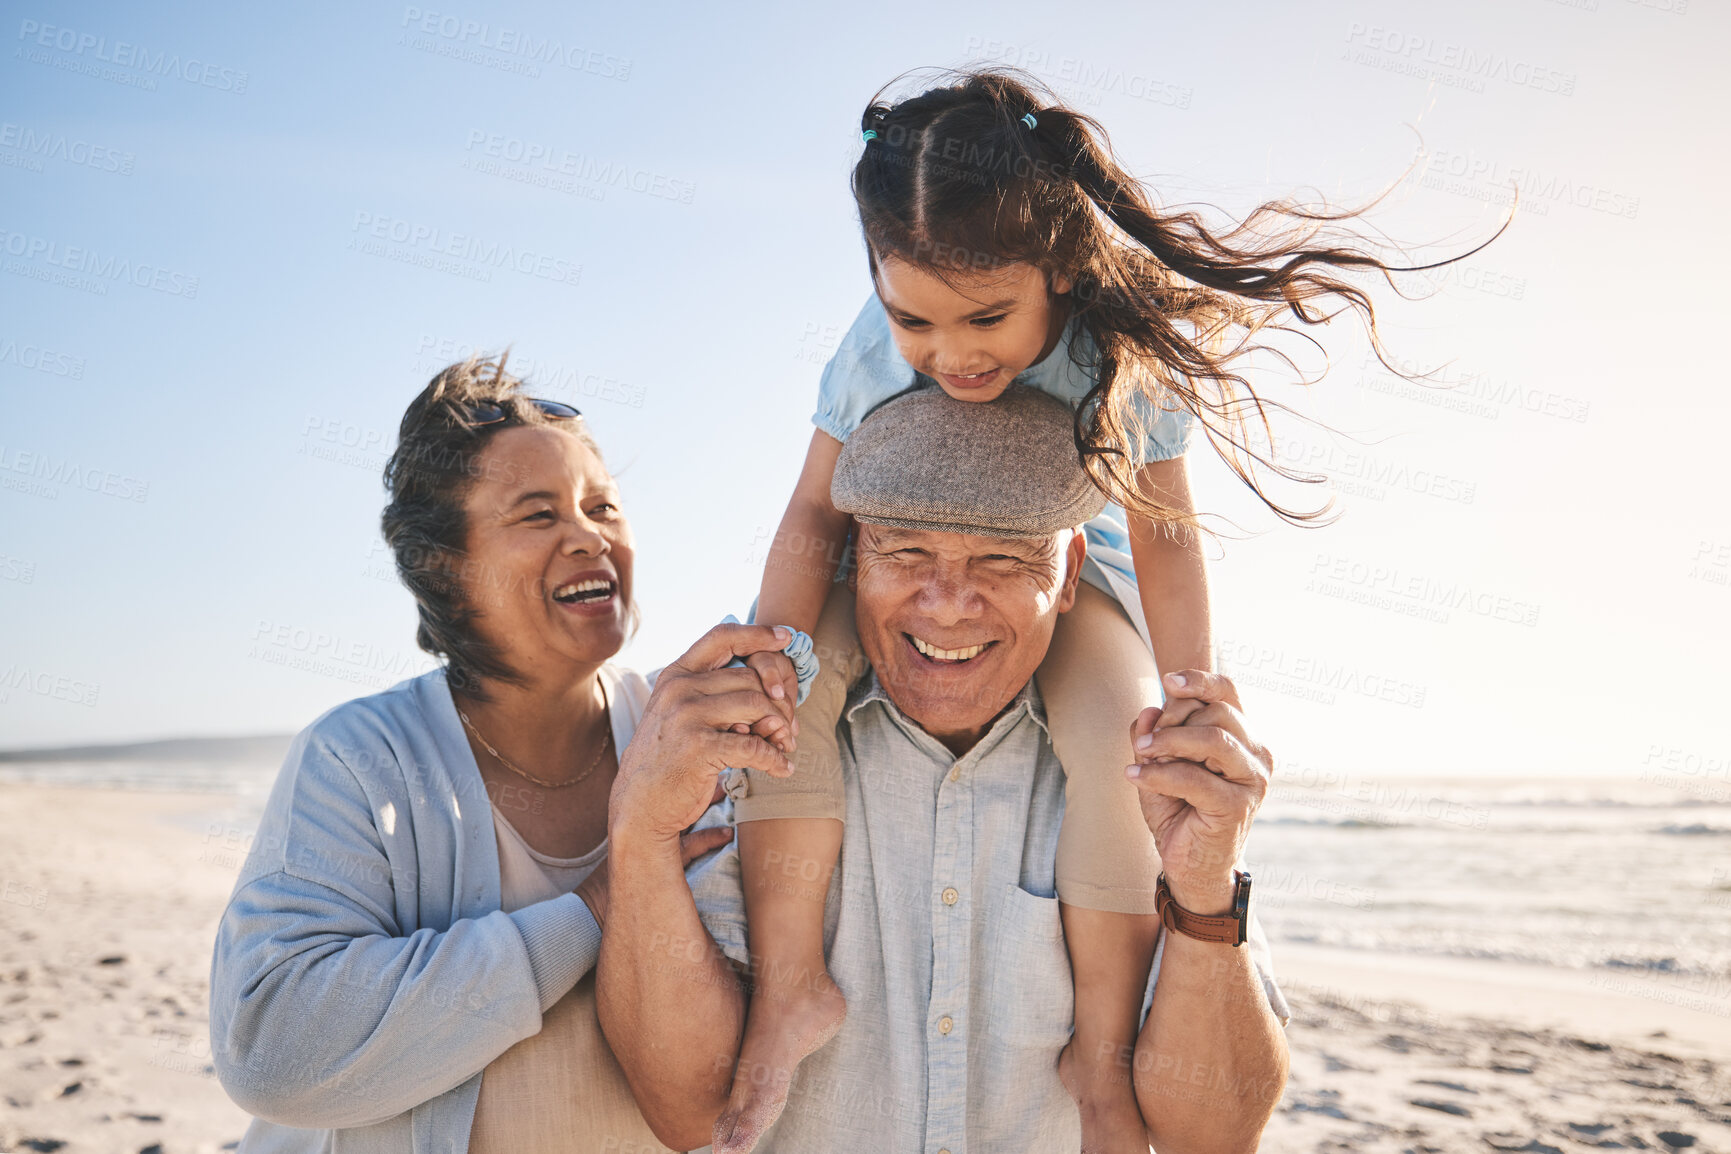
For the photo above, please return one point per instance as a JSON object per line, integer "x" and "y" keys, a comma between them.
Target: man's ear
{"x": 1074, "y": 554}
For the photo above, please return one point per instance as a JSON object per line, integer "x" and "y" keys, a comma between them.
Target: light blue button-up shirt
{"x": 942, "y": 929}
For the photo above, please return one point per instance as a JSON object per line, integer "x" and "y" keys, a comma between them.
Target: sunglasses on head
{"x": 491, "y": 413}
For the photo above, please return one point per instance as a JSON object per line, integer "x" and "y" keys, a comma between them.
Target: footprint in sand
{"x": 1455, "y": 1086}
{"x": 1321, "y": 1102}
{"x": 50, "y": 1093}
{"x": 1513, "y": 1145}
{"x": 1593, "y": 1131}
{"x": 1443, "y": 1107}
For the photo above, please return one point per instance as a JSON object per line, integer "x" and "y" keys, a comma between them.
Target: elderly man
{"x": 942, "y": 927}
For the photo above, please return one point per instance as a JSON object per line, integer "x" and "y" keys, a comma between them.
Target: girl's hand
{"x": 779, "y": 680}
{"x": 1182, "y": 703}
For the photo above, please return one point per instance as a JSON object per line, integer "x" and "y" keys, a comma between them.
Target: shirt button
{"x": 955, "y": 775}
{"x": 945, "y": 1150}
{"x": 945, "y": 1025}
{"x": 950, "y": 896}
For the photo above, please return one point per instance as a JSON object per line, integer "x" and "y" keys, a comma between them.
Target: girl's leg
{"x": 789, "y": 834}
{"x": 1096, "y": 678}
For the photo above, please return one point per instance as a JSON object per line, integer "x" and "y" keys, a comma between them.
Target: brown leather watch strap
{"x": 1227, "y": 930}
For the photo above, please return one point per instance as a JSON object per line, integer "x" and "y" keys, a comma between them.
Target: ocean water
{"x": 239, "y": 779}
{"x": 1626, "y": 877}
{"x": 235, "y": 774}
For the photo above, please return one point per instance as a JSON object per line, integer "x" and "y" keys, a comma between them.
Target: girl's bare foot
{"x": 1106, "y": 1096}
{"x": 788, "y": 1020}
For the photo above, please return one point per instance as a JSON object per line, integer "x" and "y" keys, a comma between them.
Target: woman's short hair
{"x": 437, "y": 459}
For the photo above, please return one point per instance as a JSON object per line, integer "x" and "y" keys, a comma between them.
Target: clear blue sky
{"x": 237, "y": 241}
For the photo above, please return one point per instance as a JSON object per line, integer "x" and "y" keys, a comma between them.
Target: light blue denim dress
{"x": 868, "y": 370}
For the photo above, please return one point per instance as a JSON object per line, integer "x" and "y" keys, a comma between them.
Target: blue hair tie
{"x": 1030, "y": 121}
{"x": 799, "y": 651}
{"x": 869, "y": 135}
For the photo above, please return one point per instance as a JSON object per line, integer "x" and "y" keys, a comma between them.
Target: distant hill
{"x": 265, "y": 747}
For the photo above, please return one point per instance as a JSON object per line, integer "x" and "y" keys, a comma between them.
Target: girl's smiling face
{"x": 973, "y": 333}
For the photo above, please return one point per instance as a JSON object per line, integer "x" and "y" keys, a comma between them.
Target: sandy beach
{"x": 109, "y": 901}
{"x": 1424, "y": 1055}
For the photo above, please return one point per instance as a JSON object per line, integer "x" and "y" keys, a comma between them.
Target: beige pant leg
{"x": 1096, "y": 678}
{"x": 815, "y": 787}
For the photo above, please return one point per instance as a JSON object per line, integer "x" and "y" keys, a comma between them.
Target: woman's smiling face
{"x": 549, "y": 553}
{"x": 973, "y": 332}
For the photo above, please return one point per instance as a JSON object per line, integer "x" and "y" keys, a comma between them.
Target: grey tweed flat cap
{"x": 1003, "y": 468}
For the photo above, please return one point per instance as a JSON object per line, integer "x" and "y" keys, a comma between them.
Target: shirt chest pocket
{"x": 1032, "y": 997}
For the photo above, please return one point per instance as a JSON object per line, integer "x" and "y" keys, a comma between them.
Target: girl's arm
{"x": 808, "y": 546}
{"x": 1171, "y": 573}
{"x": 802, "y": 558}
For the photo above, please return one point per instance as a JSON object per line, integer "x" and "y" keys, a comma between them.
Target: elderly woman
{"x": 406, "y": 963}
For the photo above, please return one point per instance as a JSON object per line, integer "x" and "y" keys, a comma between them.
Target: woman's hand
{"x": 1202, "y": 782}
{"x": 692, "y": 845}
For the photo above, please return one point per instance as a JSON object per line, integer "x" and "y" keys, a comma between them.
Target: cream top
{"x": 527, "y": 876}
{"x": 560, "y": 1090}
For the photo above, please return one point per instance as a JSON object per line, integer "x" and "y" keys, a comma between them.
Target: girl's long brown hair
{"x": 956, "y": 182}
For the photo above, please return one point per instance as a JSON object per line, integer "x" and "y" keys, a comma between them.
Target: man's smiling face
{"x": 956, "y": 624}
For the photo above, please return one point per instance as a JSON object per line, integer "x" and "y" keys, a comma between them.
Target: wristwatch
{"x": 1228, "y": 930}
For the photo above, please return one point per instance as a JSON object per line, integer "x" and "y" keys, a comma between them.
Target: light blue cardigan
{"x": 364, "y": 973}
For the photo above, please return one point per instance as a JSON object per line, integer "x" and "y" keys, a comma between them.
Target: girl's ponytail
{"x": 967, "y": 182}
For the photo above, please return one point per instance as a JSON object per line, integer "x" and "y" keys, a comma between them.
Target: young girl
{"x": 1008, "y": 249}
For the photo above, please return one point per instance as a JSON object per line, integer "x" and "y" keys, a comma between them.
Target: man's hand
{"x": 1202, "y": 782}
{"x": 701, "y": 719}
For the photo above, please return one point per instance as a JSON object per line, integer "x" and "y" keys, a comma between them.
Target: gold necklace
{"x": 520, "y": 772}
